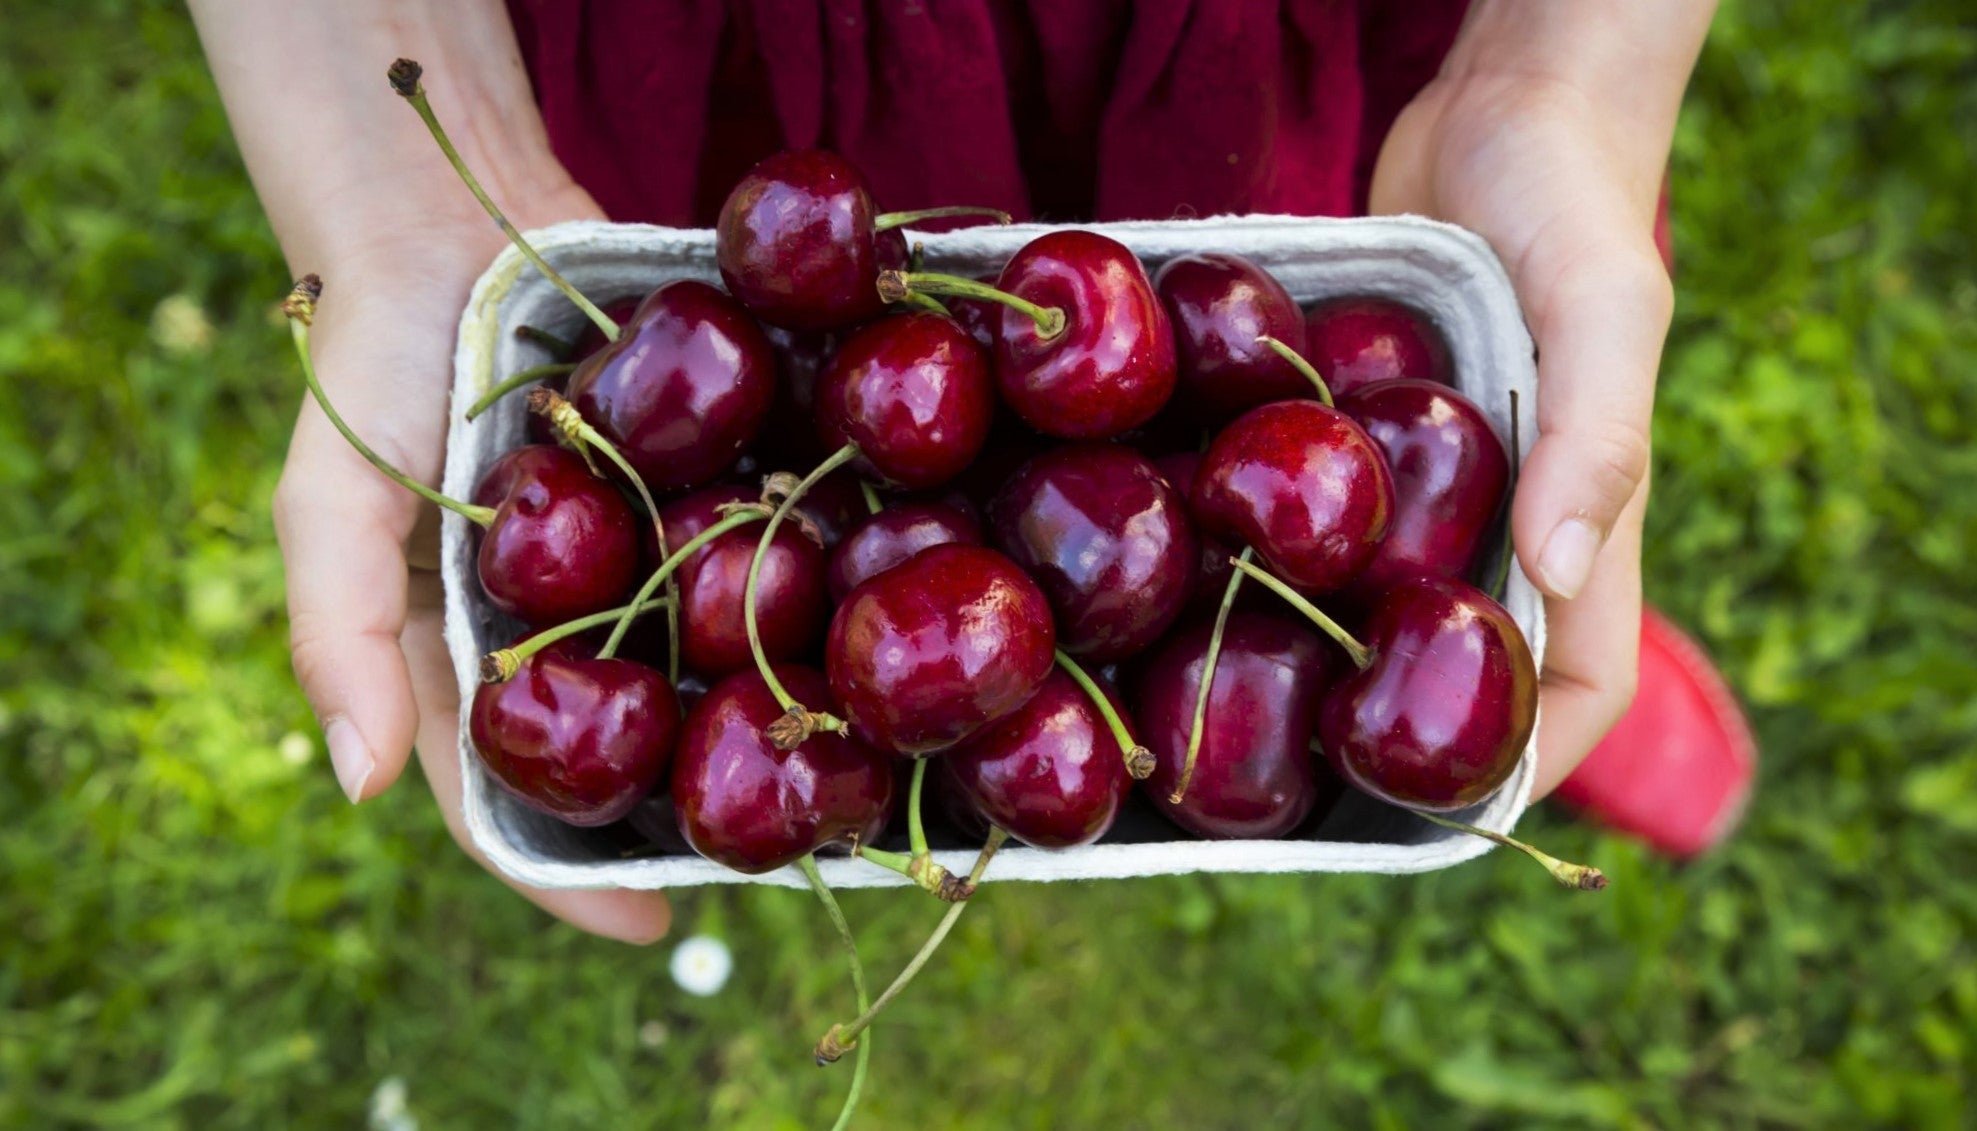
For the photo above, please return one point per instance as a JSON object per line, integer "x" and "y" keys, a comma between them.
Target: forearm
{"x": 341, "y": 165}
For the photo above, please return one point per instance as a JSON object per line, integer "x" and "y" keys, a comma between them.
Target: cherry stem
{"x": 404, "y": 75}
{"x": 500, "y": 665}
{"x": 1208, "y": 665}
{"x": 300, "y": 307}
{"x": 801, "y": 721}
{"x": 886, "y": 221}
{"x": 894, "y": 286}
{"x": 926, "y": 873}
{"x": 1139, "y": 760}
{"x": 1500, "y": 582}
{"x": 1302, "y": 366}
{"x": 515, "y": 381}
{"x": 742, "y": 515}
{"x": 560, "y": 347}
{"x": 872, "y": 503}
{"x": 916, "y": 829}
{"x": 1361, "y": 656}
{"x": 571, "y": 425}
{"x": 843, "y": 1036}
{"x": 1578, "y": 877}
{"x": 809, "y": 866}
{"x": 927, "y": 302}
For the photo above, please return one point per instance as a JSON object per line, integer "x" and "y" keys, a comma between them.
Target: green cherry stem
{"x": 926, "y": 302}
{"x": 742, "y": 515}
{"x": 1208, "y": 665}
{"x": 1361, "y": 655}
{"x": 1139, "y": 760}
{"x": 405, "y": 75}
{"x": 873, "y": 505}
{"x": 916, "y": 829}
{"x": 1578, "y": 877}
{"x": 842, "y": 1036}
{"x": 1500, "y": 580}
{"x": 500, "y": 665}
{"x": 798, "y": 722}
{"x": 886, "y": 221}
{"x": 557, "y": 347}
{"x": 515, "y": 381}
{"x": 894, "y": 286}
{"x": 1302, "y": 366}
{"x": 927, "y": 874}
{"x": 808, "y": 865}
{"x": 300, "y": 308}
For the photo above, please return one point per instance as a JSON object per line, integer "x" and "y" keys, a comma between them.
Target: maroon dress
{"x": 1051, "y": 109}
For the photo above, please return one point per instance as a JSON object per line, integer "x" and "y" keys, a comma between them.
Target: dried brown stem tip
{"x": 793, "y": 729}
{"x": 500, "y": 666}
{"x": 829, "y": 1050}
{"x": 405, "y": 75}
{"x": 300, "y": 304}
{"x": 1139, "y": 763}
{"x": 778, "y": 486}
{"x": 892, "y": 286}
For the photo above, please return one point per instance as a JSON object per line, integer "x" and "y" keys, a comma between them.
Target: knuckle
{"x": 1618, "y": 453}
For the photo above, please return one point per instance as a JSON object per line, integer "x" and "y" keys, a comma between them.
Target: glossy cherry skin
{"x": 913, "y": 392}
{"x": 748, "y": 806}
{"x": 1303, "y": 485}
{"x": 1112, "y": 366}
{"x": 1353, "y": 342}
{"x": 891, "y": 536}
{"x": 563, "y": 542}
{"x": 589, "y": 341}
{"x": 1109, "y": 541}
{"x": 1049, "y": 773}
{"x": 789, "y": 599}
{"x": 685, "y": 387}
{"x": 1211, "y": 579}
{"x": 581, "y": 739}
{"x": 1220, "y": 305}
{"x": 1254, "y": 774}
{"x": 796, "y": 242}
{"x": 1440, "y": 717}
{"x": 1449, "y": 472}
{"x": 982, "y": 318}
{"x": 933, "y": 649}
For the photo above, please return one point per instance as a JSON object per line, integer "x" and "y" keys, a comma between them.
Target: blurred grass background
{"x": 197, "y": 931}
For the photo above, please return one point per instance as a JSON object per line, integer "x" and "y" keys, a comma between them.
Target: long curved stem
{"x": 1578, "y": 877}
{"x": 500, "y": 665}
{"x": 1302, "y": 366}
{"x": 809, "y": 867}
{"x": 557, "y": 347}
{"x": 404, "y": 75}
{"x": 895, "y": 286}
{"x": 515, "y": 381}
{"x": 740, "y": 517}
{"x": 300, "y": 307}
{"x": 1361, "y": 656}
{"x": 801, "y": 723}
{"x": 841, "y": 1037}
{"x": 1208, "y": 665}
{"x": 916, "y": 829}
{"x": 888, "y": 220}
{"x": 1139, "y": 760}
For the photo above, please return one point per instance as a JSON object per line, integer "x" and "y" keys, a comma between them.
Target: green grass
{"x": 196, "y": 931}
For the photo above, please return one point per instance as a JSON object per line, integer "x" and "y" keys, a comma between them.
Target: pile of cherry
{"x": 786, "y": 551}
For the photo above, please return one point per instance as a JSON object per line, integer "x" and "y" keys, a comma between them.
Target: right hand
{"x": 362, "y": 553}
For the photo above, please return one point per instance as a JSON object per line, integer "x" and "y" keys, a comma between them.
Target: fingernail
{"x": 1567, "y": 559}
{"x": 351, "y": 756}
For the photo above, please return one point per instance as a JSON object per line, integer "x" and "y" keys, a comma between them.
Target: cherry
{"x": 581, "y": 739}
{"x": 1302, "y": 484}
{"x": 684, "y": 388}
{"x": 749, "y": 806}
{"x": 1449, "y": 473}
{"x": 789, "y": 596}
{"x": 913, "y": 393}
{"x": 1108, "y": 540}
{"x": 789, "y": 433}
{"x": 1440, "y": 713}
{"x": 980, "y": 317}
{"x": 1084, "y": 351}
{"x": 1049, "y": 773}
{"x": 1357, "y": 341}
{"x": 1220, "y": 306}
{"x": 926, "y": 653}
{"x": 1212, "y": 574}
{"x": 1254, "y": 775}
{"x": 885, "y": 539}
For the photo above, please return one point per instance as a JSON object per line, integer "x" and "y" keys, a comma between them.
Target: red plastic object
{"x": 1677, "y": 770}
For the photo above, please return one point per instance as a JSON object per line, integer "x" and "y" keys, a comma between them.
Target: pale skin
{"x": 1546, "y": 132}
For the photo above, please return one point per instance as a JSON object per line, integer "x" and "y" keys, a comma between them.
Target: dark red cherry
{"x": 563, "y": 543}
{"x": 926, "y": 653}
{"x": 788, "y": 436}
{"x": 1354, "y": 342}
{"x": 1220, "y": 306}
{"x": 1049, "y": 773}
{"x": 1254, "y": 775}
{"x": 685, "y": 387}
{"x": 1212, "y": 578}
{"x": 1449, "y": 472}
{"x": 1111, "y": 367}
{"x": 913, "y": 392}
{"x": 1441, "y": 716}
{"x": 581, "y": 739}
{"x": 1303, "y": 485}
{"x": 1108, "y": 540}
{"x": 746, "y": 805}
{"x": 885, "y": 539}
{"x": 789, "y": 601}
{"x": 592, "y": 339}
{"x": 797, "y": 242}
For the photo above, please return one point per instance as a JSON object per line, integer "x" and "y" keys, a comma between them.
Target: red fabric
{"x": 1100, "y": 109}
